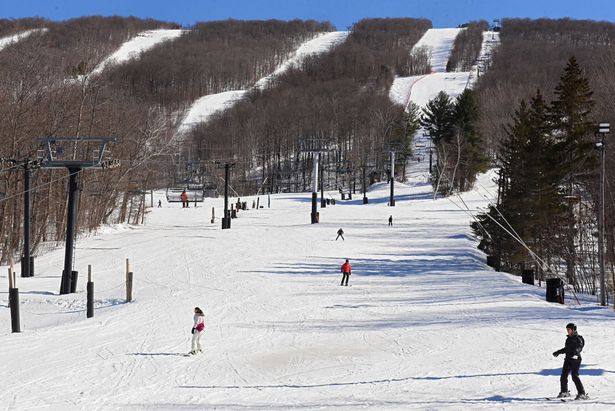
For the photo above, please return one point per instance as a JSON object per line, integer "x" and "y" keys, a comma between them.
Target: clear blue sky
{"x": 342, "y": 13}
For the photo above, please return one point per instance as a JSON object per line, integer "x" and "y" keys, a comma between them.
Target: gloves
{"x": 555, "y": 354}
{"x": 192, "y": 332}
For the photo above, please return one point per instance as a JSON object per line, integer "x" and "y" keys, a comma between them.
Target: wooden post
{"x": 90, "y": 291}
{"x": 128, "y": 282}
{"x": 258, "y": 200}
{"x": 213, "y": 215}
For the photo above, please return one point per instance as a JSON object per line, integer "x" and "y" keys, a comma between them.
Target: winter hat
{"x": 572, "y": 326}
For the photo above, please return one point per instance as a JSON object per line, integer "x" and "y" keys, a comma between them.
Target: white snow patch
{"x": 440, "y": 43}
{"x": 207, "y": 105}
{"x": 7, "y": 41}
{"x": 134, "y": 47}
{"x": 318, "y": 45}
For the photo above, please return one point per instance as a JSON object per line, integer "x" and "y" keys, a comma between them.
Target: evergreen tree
{"x": 472, "y": 158}
{"x": 573, "y": 127}
{"x": 438, "y": 118}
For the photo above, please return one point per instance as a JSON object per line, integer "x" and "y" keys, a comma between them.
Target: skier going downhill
{"x": 346, "y": 271}
{"x": 572, "y": 362}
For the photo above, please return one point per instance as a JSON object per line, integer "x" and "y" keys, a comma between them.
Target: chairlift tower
{"x": 226, "y": 219}
{"x": 392, "y": 148}
{"x": 74, "y": 154}
{"x": 315, "y": 146}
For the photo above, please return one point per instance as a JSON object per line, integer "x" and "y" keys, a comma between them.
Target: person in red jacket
{"x": 184, "y": 198}
{"x": 346, "y": 271}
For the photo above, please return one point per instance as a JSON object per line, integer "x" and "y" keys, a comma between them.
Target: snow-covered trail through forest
{"x": 206, "y": 106}
{"x": 424, "y": 325}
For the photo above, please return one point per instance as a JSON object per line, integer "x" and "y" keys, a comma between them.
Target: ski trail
{"x": 203, "y": 108}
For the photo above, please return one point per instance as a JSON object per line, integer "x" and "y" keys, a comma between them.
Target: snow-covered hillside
{"x": 425, "y": 325}
{"x": 139, "y": 44}
{"x": 7, "y": 41}
{"x": 204, "y": 107}
{"x": 421, "y": 89}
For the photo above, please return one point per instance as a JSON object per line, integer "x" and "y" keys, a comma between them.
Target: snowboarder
{"x": 340, "y": 233}
{"x": 184, "y": 198}
{"x": 390, "y": 220}
{"x": 346, "y": 271}
{"x": 572, "y": 362}
{"x": 197, "y": 330}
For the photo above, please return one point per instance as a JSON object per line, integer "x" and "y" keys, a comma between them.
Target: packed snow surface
{"x": 440, "y": 43}
{"x": 7, "y": 41}
{"x": 420, "y": 89}
{"x": 425, "y": 324}
{"x": 318, "y": 45}
{"x": 204, "y": 107}
{"x": 139, "y": 44}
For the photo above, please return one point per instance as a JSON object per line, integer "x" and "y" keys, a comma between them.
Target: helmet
{"x": 572, "y": 326}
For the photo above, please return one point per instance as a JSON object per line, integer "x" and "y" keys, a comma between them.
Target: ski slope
{"x": 419, "y": 90}
{"x": 425, "y": 325}
{"x": 139, "y": 44}
{"x": 206, "y": 106}
{"x": 7, "y": 41}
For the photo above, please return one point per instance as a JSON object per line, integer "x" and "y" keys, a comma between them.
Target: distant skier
{"x": 346, "y": 271}
{"x": 197, "y": 330}
{"x": 340, "y": 233}
{"x": 159, "y": 203}
{"x": 572, "y": 362}
{"x": 184, "y": 198}
{"x": 390, "y": 220}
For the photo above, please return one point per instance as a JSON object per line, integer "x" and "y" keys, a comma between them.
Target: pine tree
{"x": 573, "y": 127}
{"x": 438, "y": 118}
{"x": 472, "y": 159}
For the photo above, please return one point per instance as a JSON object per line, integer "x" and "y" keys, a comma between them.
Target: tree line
{"x": 340, "y": 97}
{"x": 46, "y": 91}
{"x": 530, "y": 58}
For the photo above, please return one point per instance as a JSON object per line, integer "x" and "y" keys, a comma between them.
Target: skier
{"x": 572, "y": 362}
{"x": 159, "y": 203}
{"x": 340, "y": 233}
{"x": 197, "y": 330}
{"x": 390, "y": 220}
{"x": 346, "y": 271}
{"x": 184, "y": 198}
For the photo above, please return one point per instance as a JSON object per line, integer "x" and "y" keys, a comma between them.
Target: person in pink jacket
{"x": 197, "y": 330}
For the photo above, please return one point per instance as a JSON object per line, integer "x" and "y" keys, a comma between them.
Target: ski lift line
{"x": 535, "y": 256}
{"x": 36, "y": 188}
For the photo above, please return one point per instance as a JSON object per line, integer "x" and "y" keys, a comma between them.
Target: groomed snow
{"x": 425, "y": 325}
{"x": 205, "y": 106}
{"x": 440, "y": 43}
{"x": 7, "y": 41}
{"x": 133, "y": 48}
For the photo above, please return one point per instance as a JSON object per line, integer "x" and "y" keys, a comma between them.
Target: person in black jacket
{"x": 572, "y": 362}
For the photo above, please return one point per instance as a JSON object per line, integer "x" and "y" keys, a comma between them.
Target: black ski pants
{"x": 345, "y": 277}
{"x": 571, "y": 366}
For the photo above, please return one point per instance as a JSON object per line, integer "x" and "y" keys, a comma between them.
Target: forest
{"x": 540, "y": 104}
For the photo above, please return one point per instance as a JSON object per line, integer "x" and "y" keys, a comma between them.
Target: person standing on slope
{"x": 184, "y": 198}
{"x": 340, "y": 233}
{"x": 346, "y": 271}
{"x": 572, "y": 362}
{"x": 390, "y": 220}
{"x": 197, "y": 330}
